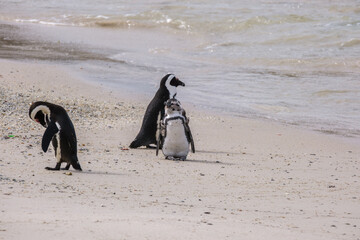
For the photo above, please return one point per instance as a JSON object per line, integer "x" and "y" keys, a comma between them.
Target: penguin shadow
{"x": 220, "y": 152}
{"x": 213, "y": 161}
{"x": 209, "y": 162}
{"x": 90, "y": 172}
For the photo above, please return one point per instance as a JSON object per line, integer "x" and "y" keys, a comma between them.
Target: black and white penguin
{"x": 147, "y": 133}
{"x": 59, "y": 130}
{"x": 174, "y": 136}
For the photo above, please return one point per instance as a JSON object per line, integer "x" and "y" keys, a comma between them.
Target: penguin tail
{"x": 135, "y": 144}
{"x": 75, "y": 163}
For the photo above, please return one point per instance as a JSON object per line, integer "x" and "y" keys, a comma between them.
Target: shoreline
{"x": 133, "y": 96}
{"x": 117, "y": 60}
{"x": 248, "y": 179}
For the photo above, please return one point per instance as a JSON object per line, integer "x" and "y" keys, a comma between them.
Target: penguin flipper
{"x": 158, "y": 139}
{"x": 158, "y": 134}
{"x": 157, "y": 148}
{"x": 159, "y": 143}
{"x": 189, "y": 136}
{"x": 49, "y": 133}
{"x": 192, "y": 145}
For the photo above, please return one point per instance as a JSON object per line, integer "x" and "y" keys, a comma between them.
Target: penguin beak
{"x": 176, "y": 82}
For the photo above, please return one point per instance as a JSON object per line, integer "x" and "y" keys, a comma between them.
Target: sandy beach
{"x": 249, "y": 179}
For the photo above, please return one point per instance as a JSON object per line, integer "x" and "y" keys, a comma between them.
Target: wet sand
{"x": 248, "y": 179}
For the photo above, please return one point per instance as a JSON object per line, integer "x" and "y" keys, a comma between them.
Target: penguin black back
{"x": 167, "y": 90}
{"x": 59, "y": 130}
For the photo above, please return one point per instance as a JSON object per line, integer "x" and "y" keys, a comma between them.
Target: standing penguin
{"x": 59, "y": 130}
{"x": 167, "y": 90}
{"x": 174, "y": 136}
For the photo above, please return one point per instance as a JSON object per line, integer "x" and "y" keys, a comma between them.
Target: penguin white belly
{"x": 58, "y": 149}
{"x": 175, "y": 142}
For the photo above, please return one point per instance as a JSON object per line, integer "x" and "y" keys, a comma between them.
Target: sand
{"x": 249, "y": 179}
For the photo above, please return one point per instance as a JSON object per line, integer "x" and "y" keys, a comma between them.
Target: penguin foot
{"x": 175, "y": 158}
{"x": 56, "y": 168}
{"x": 66, "y": 167}
{"x": 52, "y": 169}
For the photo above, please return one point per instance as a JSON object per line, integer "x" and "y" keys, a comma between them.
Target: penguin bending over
{"x": 147, "y": 133}
{"x": 59, "y": 130}
{"x": 174, "y": 136}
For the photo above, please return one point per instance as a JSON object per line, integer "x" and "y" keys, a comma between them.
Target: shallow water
{"x": 288, "y": 61}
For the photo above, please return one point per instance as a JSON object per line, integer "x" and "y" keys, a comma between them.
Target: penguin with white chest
{"x": 59, "y": 130}
{"x": 147, "y": 133}
{"x": 174, "y": 136}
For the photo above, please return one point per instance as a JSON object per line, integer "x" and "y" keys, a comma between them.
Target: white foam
{"x": 40, "y": 22}
{"x": 101, "y": 17}
{"x": 27, "y": 20}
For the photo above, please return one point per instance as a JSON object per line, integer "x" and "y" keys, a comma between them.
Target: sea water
{"x": 296, "y": 62}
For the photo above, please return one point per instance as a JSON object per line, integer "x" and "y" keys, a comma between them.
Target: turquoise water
{"x": 287, "y": 61}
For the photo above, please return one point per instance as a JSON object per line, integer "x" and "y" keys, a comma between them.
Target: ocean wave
{"x": 148, "y": 19}
{"x": 326, "y": 93}
{"x": 162, "y": 19}
{"x": 315, "y": 65}
{"x": 351, "y": 43}
{"x": 40, "y": 22}
{"x": 292, "y": 39}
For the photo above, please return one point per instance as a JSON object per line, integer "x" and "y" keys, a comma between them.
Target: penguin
{"x": 147, "y": 133}
{"x": 59, "y": 130}
{"x": 174, "y": 137}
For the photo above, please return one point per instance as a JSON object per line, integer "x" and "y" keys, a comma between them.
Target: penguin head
{"x": 173, "y": 105}
{"x": 172, "y": 102}
{"x": 40, "y": 113}
{"x": 170, "y": 82}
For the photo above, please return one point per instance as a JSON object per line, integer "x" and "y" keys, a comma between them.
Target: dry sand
{"x": 248, "y": 179}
